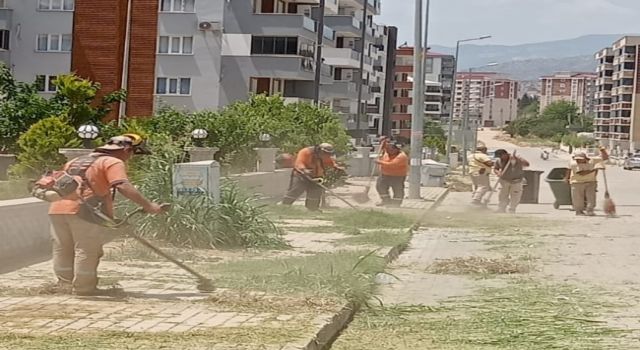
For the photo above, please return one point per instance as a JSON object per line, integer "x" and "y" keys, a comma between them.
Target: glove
{"x": 318, "y": 180}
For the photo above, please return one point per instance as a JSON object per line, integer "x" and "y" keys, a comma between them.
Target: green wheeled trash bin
{"x": 560, "y": 188}
{"x": 531, "y": 191}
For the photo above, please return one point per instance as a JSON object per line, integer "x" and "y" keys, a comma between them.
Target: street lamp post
{"x": 453, "y": 96}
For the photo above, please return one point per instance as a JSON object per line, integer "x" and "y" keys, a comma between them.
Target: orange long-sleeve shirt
{"x": 394, "y": 166}
{"x": 307, "y": 159}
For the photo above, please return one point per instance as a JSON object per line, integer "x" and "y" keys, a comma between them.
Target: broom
{"x": 363, "y": 197}
{"x": 609, "y": 206}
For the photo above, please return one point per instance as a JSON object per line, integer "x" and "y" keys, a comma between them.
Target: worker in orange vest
{"x": 394, "y": 167}
{"x": 309, "y": 171}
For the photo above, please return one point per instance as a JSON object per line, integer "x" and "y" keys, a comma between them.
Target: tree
{"x": 20, "y": 108}
{"x": 78, "y": 97}
{"x": 236, "y": 129}
{"x": 434, "y": 136}
{"x": 40, "y": 144}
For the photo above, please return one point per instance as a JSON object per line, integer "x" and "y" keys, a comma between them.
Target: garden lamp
{"x": 198, "y": 136}
{"x": 88, "y": 133}
{"x": 265, "y": 138}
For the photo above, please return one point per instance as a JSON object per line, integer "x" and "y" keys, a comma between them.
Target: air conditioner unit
{"x": 395, "y": 131}
{"x": 210, "y": 26}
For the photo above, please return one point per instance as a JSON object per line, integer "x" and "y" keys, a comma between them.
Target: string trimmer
{"x": 205, "y": 284}
{"x": 325, "y": 188}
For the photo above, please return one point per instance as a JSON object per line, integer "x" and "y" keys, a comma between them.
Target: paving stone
{"x": 237, "y": 320}
{"x": 162, "y": 327}
{"x": 185, "y": 314}
{"x": 145, "y": 325}
{"x": 79, "y": 324}
{"x": 218, "y": 319}
{"x": 180, "y": 328}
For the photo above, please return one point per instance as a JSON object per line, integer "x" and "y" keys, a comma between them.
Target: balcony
{"x": 277, "y": 24}
{"x": 344, "y": 25}
{"x": 374, "y": 5}
{"x": 378, "y": 65}
{"x": 285, "y": 67}
{"x": 374, "y": 109}
{"x": 342, "y": 57}
{"x": 629, "y": 57}
{"x": 349, "y": 121}
{"x": 343, "y": 89}
{"x": 627, "y": 74}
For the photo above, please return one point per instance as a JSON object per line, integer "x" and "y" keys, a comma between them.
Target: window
{"x": 56, "y": 5}
{"x": 429, "y": 66}
{"x": 176, "y": 45}
{"x": 269, "y": 45}
{"x": 44, "y": 83}
{"x": 178, "y": 6}
{"x": 3, "y": 5}
{"x": 5, "y": 37}
{"x": 54, "y": 43}
{"x": 173, "y": 86}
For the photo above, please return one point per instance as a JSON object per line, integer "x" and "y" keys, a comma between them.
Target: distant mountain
{"x": 533, "y": 69}
{"x": 478, "y": 55}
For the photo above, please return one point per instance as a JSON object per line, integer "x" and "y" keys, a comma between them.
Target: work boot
{"x": 590, "y": 213}
{"x": 580, "y": 213}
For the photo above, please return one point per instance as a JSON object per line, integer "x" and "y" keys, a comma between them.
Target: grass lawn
{"x": 522, "y": 315}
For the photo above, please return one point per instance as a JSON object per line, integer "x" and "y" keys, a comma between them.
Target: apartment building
{"x": 438, "y": 89}
{"x": 578, "y": 88}
{"x": 617, "y": 123}
{"x": 489, "y": 99}
{"x": 204, "y": 54}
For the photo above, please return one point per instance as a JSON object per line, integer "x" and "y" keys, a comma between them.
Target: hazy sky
{"x": 515, "y": 21}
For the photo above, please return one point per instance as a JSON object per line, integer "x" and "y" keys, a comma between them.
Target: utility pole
{"x": 465, "y": 122}
{"x": 417, "y": 119}
{"x": 453, "y": 104}
{"x": 319, "y": 43}
{"x": 363, "y": 37}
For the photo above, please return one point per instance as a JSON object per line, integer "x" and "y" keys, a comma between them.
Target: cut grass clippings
{"x": 381, "y": 238}
{"x": 343, "y": 274}
{"x": 523, "y": 315}
{"x": 372, "y": 219}
{"x": 246, "y": 338}
{"x": 479, "y": 266}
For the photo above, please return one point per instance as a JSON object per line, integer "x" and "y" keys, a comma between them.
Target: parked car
{"x": 632, "y": 162}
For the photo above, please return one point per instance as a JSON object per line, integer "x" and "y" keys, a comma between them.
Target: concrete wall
{"x": 266, "y": 185}
{"x": 24, "y": 232}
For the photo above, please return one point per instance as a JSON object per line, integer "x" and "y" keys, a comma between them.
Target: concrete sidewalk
{"x": 159, "y": 298}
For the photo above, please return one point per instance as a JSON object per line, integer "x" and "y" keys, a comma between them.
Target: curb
{"x": 439, "y": 200}
{"x": 329, "y": 333}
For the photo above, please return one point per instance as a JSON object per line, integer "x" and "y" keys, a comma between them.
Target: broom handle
{"x": 375, "y": 165}
{"x": 606, "y": 184}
